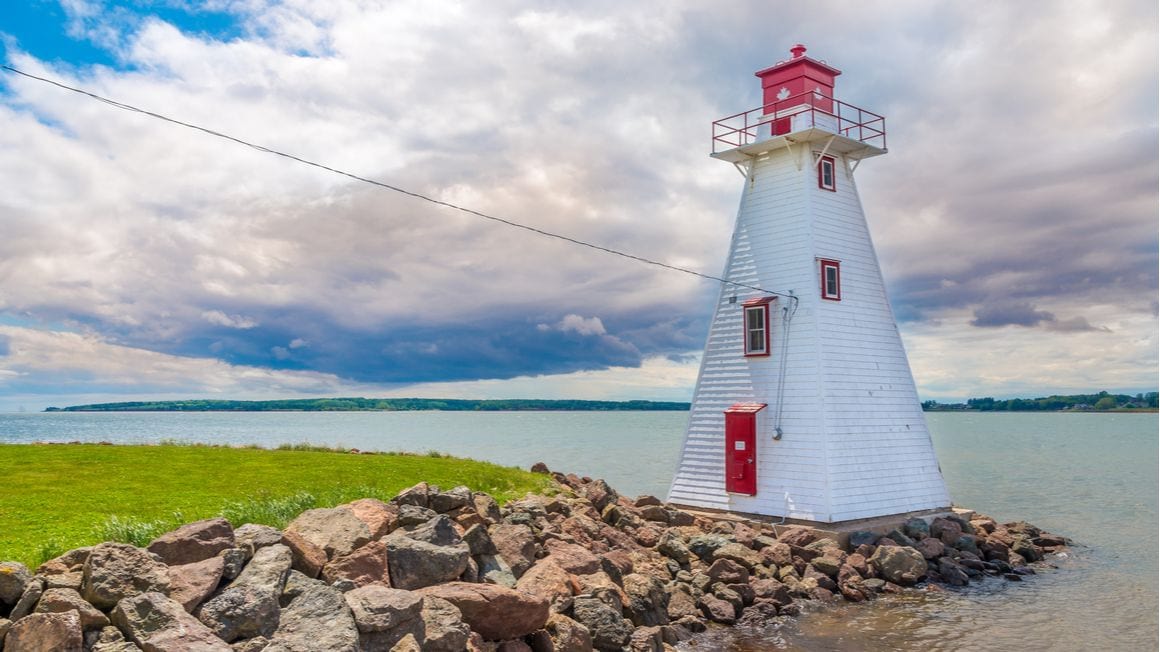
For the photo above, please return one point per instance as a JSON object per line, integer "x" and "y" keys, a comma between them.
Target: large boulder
{"x": 516, "y": 544}
{"x": 46, "y": 632}
{"x": 496, "y": 612}
{"x": 27, "y": 602}
{"x": 547, "y": 580}
{"x": 439, "y": 530}
{"x": 308, "y": 557}
{"x": 647, "y": 601}
{"x": 336, "y": 530}
{"x": 190, "y": 584}
{"x": 377, "y": 608}
{"x": 567, "y": 635}
{"x": 114, "y": 571}
{"x": 445, "y": 501}
{"x": 316, "y": 618}
{"x": 443, "y": 626}
{"x": 249, "y": 605}
{"x": 251, "y": 537}
{"x": 14, "y": 578}
{"x": 574, "y": 559}
{"x": 414, "y": 564}
{"x": 727, "y": 571}
{"x": 367, "y": 565}
{"x": 379, "y": 517}
{"x": 899, "y": 564}
{"x": 159, "y": 624}
{"x": 609, "y": 630}
{"x": 193, "y": 542}
{"x": 57, "y": 601}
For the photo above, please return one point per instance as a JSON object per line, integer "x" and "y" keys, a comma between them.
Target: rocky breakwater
{"x": 436, "y": 570}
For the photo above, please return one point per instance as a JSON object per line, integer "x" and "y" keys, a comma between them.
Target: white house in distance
{"x": 805, "y": 407}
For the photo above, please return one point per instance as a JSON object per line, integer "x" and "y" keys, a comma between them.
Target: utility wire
{"x": 387, "y": 186}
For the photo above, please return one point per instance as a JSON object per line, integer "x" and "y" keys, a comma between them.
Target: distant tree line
{"x": 1075, "y": 402}
{"x": 374, "y": 404}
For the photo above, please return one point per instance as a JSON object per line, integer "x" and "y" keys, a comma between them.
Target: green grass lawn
{"x": 57, "y": 497}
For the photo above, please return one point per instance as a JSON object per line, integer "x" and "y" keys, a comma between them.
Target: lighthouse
{"x": 805, "y": 407}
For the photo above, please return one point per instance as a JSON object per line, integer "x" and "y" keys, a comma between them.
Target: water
{"x": 1091, "y": 477}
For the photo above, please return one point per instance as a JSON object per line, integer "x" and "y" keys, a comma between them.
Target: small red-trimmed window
{"x": 831, "y": 280}
{"x": 826, "y": 175}
{"x": 756, "y": 313}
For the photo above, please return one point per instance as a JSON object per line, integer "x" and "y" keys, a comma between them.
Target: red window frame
{"x": 824, "y": 266}
{"x": 760, "y": 305}
{"x": 822, "y": 163}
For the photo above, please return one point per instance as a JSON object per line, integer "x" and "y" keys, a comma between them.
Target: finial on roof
{"x": 797, "y": 50}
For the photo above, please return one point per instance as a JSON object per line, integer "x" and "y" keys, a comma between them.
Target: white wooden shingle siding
{"x": 855, "y": 442}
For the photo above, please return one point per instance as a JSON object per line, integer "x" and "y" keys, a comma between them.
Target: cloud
{"x": 5, "y": 344}
{"x": 220, "y": 318}
{"x": 991, "y": 208}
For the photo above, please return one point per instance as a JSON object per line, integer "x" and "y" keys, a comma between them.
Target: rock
{"x": 443, "y": 626}
{"x": 729, "y": 595}
{"x": 46, "y": 632}
{"x": 608, "y": 629}
{"x": 655, "y": 513}
{"x": 69, "y": 562}
{"x": 445, "y": 501}
{"x": 600, "y": 494}
{"x": 828, "y": 566}
{"x": 496, "y": 612}
{"x": 479, "y": 541}
{"x": 646, "y": 639}
{"x": 967, "y": 543}
{"x": 193, "y": 542}
{"x": 1023, "y": 547}
{"x": 416, "y": 495}
{"x": 706, "y": 544}
{"x": 951, "y": 572}
{"x": 439, "y": 530}
{"x": 681, "y": 601}
{"x": 516, "y": 544}
{"x": 190, "y": 584}
{"x": 27, "y": 602}
{"x": 797, "y": 536}
{"x": 251, "y": 537}
{"x": 899, "y": 564}
{"x": 336, "y": 530}
{"x": 863, "y": 537}
{"x": 14, "y": 578}
{"x": 233, "y": 561}
{"x": 377, "y": 608}
{"x": 773, "y": 590}
{"x": 916, "y": 528}
{"x": 567, "y": 635}
{"x": 317, "y": 618}
{"x": 110, "y": 639}
{"x": 486, "y": 507}
{"x": 307, "y": 557}
{"x": 5, "y": 625}
{"x": 572, "y": 558}
{"x": 55, "y": 601}
{"x": 647, "y": 601}
{"x": 736, "y": 552}
{"x": 540, "y": 467}
{"x": 159, "y": 624}
{"x": 249, "y": 605}
{"x": 379, "y": 517}
{"x": 931, "y": 548}
{"x": 717, "y": 610}
{"x": 673, "y": 546}
{"x": 547, "y": 580}
{"x": 114, "y": 571}
{"x": 727, "y": 571}
{"x": 414, "y": 564}
{"x": 493, "y": 569}
{"x": 366, "y": 565}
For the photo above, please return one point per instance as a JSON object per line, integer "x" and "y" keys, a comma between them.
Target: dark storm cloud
{"x": 1011, "y": 314}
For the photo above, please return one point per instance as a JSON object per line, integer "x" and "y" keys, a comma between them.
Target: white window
{"x": 756, "y": 313}
{"x": 826, "y": 179}
{"x": 831, "y": 277}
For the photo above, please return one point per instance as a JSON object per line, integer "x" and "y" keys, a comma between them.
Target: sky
{"x": 1015, "y": 216}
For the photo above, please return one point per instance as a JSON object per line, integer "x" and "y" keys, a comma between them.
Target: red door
{"x": 741, "y": 449}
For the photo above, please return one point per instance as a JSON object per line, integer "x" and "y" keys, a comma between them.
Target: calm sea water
{"x": 1091, "y": 477}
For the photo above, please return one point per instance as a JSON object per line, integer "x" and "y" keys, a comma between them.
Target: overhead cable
{"x": 387, "y": 186}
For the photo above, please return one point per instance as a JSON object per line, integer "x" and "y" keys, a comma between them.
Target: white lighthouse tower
{"x": 805, "y": 407}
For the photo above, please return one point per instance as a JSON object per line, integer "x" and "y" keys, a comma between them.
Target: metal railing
{"x": 797, "y": 113}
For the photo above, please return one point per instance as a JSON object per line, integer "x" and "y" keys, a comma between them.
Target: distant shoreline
{"x": 381, "y": 405}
